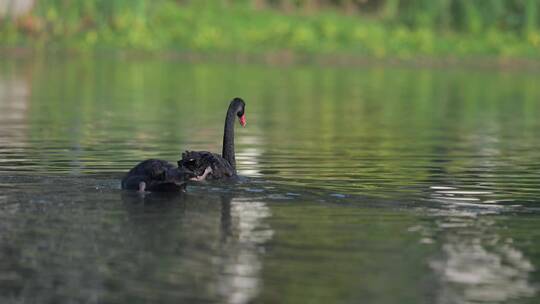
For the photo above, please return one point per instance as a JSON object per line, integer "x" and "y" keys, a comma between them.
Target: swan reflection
{"x": 219, "y": 238}
{"x": 240, "y": 264}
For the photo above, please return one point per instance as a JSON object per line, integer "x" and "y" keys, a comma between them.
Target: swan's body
{"x": 223, "y": 166}
{"x": 159, "y": 175}
{"x": 195, "y": 161}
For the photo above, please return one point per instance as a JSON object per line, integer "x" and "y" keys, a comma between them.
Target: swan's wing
{"x": 158, "y": 172}
{"x": 156, "y": 169}
{"x": 150, "y": 170}
{"x": 220, "y": 166}
{"x": 195, "y": 161}
{"x": 198, "y": 161}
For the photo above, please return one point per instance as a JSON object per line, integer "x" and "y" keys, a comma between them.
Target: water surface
{"x": 372, "y": 185}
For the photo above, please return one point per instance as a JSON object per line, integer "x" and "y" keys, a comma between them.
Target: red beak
{"x": 243, "y": 120}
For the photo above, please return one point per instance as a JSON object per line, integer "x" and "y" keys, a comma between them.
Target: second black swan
{"x": 222, "y": 166}
{"x": 160, "y": 176}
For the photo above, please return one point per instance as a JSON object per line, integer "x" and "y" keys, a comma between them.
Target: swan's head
{"x": 238, "y": 106}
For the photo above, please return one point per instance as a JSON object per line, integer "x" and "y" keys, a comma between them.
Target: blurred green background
{"x": 381, "y": 28}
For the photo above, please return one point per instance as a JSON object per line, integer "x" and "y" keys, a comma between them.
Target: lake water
{"x": 358, "y": 185}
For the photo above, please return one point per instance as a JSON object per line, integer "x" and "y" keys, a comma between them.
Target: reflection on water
{"x": 246, "y": 233}
{"x": 478, "y": 265}
{"x": 14, "y": 95}
{"x": 250, "y": 157}
{"x": 358, "y": 185}
{"x": 160, "y": 248}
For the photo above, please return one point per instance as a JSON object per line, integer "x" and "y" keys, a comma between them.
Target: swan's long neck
{"x": 228, "y": 138}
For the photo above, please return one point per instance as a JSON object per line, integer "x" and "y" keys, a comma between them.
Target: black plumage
{"x": 196, "y": 161}
{"x": 223, "y": 166}
{"x": 157, "y": 175}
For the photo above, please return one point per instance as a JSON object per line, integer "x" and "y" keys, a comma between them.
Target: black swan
{"x": 223, "y": 166}
{"x": 160, "y": 176}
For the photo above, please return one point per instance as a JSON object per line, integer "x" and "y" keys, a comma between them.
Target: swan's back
{"x": 153, "y": 172}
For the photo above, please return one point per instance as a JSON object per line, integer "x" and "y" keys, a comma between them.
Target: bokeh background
{"x": 381, "y": 28}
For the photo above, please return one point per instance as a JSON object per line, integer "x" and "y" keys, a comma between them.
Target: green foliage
{"x": 397, "y": 28}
